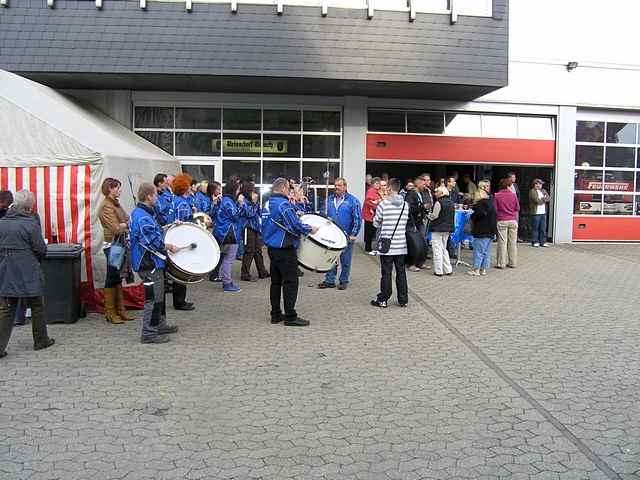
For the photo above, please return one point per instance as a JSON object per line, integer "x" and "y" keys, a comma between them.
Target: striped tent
{"x": 62, "y": 150}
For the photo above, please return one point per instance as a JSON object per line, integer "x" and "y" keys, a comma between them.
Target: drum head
{"x": 200, "y": 260}
{"x": 329, "y": 234}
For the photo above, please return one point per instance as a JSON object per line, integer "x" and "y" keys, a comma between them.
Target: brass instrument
{"x": 202, "y": 220}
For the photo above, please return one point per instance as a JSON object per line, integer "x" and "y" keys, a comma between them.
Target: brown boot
{"x": 120, "y": 308}
{"x": 110, "y": 312}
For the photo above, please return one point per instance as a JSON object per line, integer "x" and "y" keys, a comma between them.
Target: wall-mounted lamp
{"x": 188, "y": 5}
{"x": 143, "y": 4}
{"x": 280, "y": 7}
{"x": 369, "y": 9}
{"x": 324, "y": 9}
{"x": 99, "y": 4}
{"x": 234, "y": 6}
{"x": 4, "y": 3}
{"x": 571, "y": 66}
{"x": 50, "y": 3}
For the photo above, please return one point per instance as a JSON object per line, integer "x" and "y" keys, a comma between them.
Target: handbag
{"x": 117, "y": 253}
{"x": 384, "y": 244}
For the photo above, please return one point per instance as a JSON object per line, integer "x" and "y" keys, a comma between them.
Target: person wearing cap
{"x": 538, "y": 200}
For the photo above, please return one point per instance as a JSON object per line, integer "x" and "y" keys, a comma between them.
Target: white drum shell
{"x": 320, "y": 252}
{"x": 191, "y": 265}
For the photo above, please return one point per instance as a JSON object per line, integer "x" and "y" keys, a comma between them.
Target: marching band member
{"x": 214, "y": 193}
{"x": 193, "y": 189}
{"x": 181, "y": 211}
{"x": 163, "y": 183}
{"x": 148, "y": 253}
{"x": 202, "y": 201}
{"x": 281, "y": 229}
{"x": 300, "y": 201}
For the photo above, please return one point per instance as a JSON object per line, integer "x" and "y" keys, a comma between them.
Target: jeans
{"x": 369, "y": 236}
{"x": 441, "y": 260}
{"x": 481, "y": 253}
{"x": 539, "y": 228}
{"x": 284, "y": 281}
{"x": 345, "y": 267}
{"x": 154, "y": 302}
{"x": 507, "y": 243}
{"x": 387, "y": 263}
{"x": 230, "y": 251}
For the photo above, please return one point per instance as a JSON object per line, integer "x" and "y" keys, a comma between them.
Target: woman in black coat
{"x": 22, "y": 248}
{"x": 484, "y": 228}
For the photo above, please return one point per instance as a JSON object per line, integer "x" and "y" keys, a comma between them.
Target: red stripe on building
{"x": 19, "y": 178}
{"x": 87, "y": 223}
{"x": 431, "y": 148}
{"x": 62, "y": 236}
{"x": 74, "y": 204}
{"x": 4, "y": 178}
{"x": 33, "y": 186}
{"x": 609, "y": 229}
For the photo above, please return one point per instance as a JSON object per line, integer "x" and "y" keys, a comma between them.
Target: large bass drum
{"x": 320, "y": 251}
{"x": 191, "y": 265}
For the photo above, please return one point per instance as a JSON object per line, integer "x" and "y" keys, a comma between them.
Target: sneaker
{"x": 342, "y": 286}
{"x": 167, "y": 329}
{"x": 373, "y": 253}
{"x": 474, "y": 273}
{"x": 230, "y": 287}
{"x": 535, "y": 244}
{"x": 483, "y": 272}
{"x": 297, "y": 322}
{"x": 413, "y": 268}
{"x": 323, "y": 285}
{"x": 379, "y": 303}
{"x": 544, "y": 245}
{"x": 155, "y": 339}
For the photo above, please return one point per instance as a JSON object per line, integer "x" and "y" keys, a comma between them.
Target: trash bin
{"x": 61, "y": 269}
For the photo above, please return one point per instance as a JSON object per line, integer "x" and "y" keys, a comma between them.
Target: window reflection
{"x": 463, "y": 124}
{"x": 587, "y": 204}
{"x": 589, "y": 155}
{"x": 587, "y": 131}
{"x": 623, "y": 157}
{"x": 621, "y": 132}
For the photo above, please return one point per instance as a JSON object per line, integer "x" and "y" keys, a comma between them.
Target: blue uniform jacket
{"x": 304, "y": 207}
{"x": 253, "y": 212}
{"x": 180, "y": 210}
{"x": 202, "y": 203}
{"x": 164, "y": 206}
{"x": 281, "y": 227}
{"x": 347, "y": 214}
{"x": 146, "y": 236}
{"x": 229, "y": 216}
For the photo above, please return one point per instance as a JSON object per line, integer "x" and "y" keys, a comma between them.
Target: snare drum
{"x": 191, "y": 265}
{"x": 320, "y": 251}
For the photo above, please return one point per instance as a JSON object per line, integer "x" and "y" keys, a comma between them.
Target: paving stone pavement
{"x": 529, "y": 373}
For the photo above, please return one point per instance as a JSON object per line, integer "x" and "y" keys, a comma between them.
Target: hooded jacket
{"x": 346, "y": 212}
{"x": 281, "y": 227}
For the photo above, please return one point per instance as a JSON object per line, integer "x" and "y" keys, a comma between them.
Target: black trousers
{"x": 284, "y": 280}
{"x": 8, "y": 307}
{"x": 179, "y": 294}
{"x": 387, "y": 262}
{"x": 253, "y": 251}
{"x": 113, "y": 274}
{"x": 369, "y": 235}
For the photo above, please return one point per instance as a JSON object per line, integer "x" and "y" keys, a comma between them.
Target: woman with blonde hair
{"x": 115, "y": 224}
{"x": 442, "y": 224}
{"x": 483, "y": 228}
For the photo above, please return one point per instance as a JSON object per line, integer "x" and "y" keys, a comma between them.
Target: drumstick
{"x": 191, "y": 246}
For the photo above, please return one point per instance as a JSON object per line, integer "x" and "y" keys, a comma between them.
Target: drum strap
{"x": 153, "y": 252}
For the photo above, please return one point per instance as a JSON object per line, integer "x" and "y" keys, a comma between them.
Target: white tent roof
{"x": 40, "y": 126}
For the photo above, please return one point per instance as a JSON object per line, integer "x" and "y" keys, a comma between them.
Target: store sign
{"x": 239, "y": 145}
{"x": 610, "y": 186}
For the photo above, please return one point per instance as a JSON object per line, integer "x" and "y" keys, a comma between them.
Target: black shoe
{"x": 403, "y": 305}
{"x": 155, "y": 339}
{"x": 379, "y": 303}
{"x": 19, "y": 324}
{"x": 214, "y": 279}
{"x": 438, "y": 274}
{"x": 46, "y": 344}
{"x": 323, "y": 285}
{"x": 185, "y": 306}
{"x": 300, "y": 273}
{"x": 167, "y": 329}
{"x": 276, "y": 318}
{"x": 266, "y": 275}
{"x": 342, "y": 286}
{"x": 297, "y": 322}
{"x": 3, "y": 354}
{"x": 248, "y": 279}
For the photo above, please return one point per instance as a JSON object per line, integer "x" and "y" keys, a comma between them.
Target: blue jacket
{"x": 303, "y": 207}
{"x": 281, "y": 227}
{"x": 347, "y": 214}
{"x": 180, "y": 210}
{"x": 253, "y": 211}
{"x": 145, "y": 234}
{"x": 202, "y": 203}
{"x": 230, "y": 216}
{"x": 164, "y": 206}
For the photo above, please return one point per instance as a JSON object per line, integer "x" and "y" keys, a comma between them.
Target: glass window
{"x": 499, "y": 126}
{"x": 321, "y": 121}
{"x": 623, "y": 157}
{"x": 272, "y": 170}
{"x": 637, "y": 204}
{"x": 621, "y": 132}
{"x": 153, "y": 117}
{"x": 198, "y": 118}
{"x": 241, "y": 145}
{"x": 587, "y": 204}
{"x": 589, "y": 131}
{"x": 321, "y": 146}
{"x": 386, "y": 121}
{"x": 289, "y": 120}
{"x": 164, "y": 140}
{"x": 590, "y": 180}
{"x": 243, "y": 169}
{"x": 618, "y": 205}
{"x": 589, "y": 156}
{"x": 241, "y": 119}
{"x": 482, "y": 8}
{"x": 618, "y": 180}
{"x": 281, "y": 145}
{"x": 425, "y": 122}
{"x": 463, "y": 124}
{"x": 198, "y": 144}
{"x": 200, "y": 172}
{"x": 318, "y": 171}
{"x": 536, "y": 128}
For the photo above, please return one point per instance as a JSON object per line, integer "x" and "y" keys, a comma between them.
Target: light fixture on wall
{"x": 4, "y": 3}
{"x": 571, "y": 66}
{"x": 143, "y": 4}
{"x": 50, "y": 3}
{"x": 99, "y": 4}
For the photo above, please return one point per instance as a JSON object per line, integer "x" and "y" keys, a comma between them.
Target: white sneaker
{"x": 373, "y": 253}
{"x": 473, "y": 273}
{"x": 535, "y": 245}
{"x": 544, "y": 245}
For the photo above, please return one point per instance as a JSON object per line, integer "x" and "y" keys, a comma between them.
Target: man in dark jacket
{"x": 22, "y": 248}
{"x": 420, "y": 203}
{"x": 6, "y": 199}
